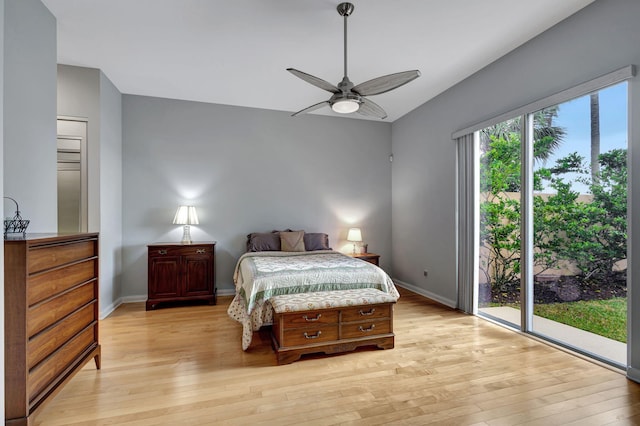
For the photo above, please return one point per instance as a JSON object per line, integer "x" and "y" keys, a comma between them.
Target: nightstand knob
{"x": 201, "y": 251}
{"x": 162, "y": 252}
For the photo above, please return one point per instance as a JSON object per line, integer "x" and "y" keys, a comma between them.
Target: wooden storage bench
{"x": 331, "y": 322}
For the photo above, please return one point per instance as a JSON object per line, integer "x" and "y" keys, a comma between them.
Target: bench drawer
{"x": 303, "y": 319}
{"x": 366, "y": 312}
{"x": 309, "y": 335}
{"x": 365, "y": 329}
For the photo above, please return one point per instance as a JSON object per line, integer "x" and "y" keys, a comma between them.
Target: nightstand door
{"x": 164, "y": 273}
{"x": 198, "y": 279}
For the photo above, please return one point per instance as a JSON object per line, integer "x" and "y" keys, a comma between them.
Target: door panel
{"x": 198, "y": 275}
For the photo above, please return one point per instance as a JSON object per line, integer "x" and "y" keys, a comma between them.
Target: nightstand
{"x": 181, "y": 272}
{"x": 368, "y": 257}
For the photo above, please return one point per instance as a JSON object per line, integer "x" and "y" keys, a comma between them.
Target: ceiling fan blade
{"x": 311, "y": 108}
{"x": 318, "y": 82}
{"x": 368, "y": 107}
{"x": 385, "y": 83}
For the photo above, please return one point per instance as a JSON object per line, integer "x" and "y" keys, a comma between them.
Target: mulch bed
{"x": 560, "y": 289}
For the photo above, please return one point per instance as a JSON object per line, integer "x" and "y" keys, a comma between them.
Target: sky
{"x": 574, "y": 117}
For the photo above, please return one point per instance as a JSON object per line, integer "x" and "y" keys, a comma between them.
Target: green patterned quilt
{"x": 261, "y": 275}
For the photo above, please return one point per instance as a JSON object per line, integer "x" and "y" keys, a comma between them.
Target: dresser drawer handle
{"x": 201, "y": 251}
{"x": 306, "y": 318}
{"x": 312, "y": 336}
{"x": 364, "y": 314}
{"x": 162, "y": 252}
{"x": 364, "y": 330}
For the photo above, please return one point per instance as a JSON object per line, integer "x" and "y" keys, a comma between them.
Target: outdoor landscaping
{"x": 580, "y": 228}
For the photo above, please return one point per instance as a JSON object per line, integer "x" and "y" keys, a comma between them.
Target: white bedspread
{"x": 260, "y": 275}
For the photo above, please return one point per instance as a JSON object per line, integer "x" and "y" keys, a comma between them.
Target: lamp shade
{"x": 354, "y": 234}
{"x": 186, "y": 215}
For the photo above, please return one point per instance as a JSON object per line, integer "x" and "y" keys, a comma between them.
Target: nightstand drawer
{"x": 368, "y": 257}
{"x": 187, "y": 250}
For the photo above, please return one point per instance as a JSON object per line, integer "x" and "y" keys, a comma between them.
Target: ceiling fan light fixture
{"x": 348, "y": 98}
{"x": 345, "y": 106}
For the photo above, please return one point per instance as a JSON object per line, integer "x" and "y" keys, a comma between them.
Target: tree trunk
{"x": 595, "y": 136}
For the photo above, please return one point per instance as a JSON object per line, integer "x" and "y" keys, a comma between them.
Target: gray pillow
{"x": 316, "y": 241}
{"x": 263, "y": 241}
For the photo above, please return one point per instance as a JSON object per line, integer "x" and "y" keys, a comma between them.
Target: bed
{"x": 263, "y": 274}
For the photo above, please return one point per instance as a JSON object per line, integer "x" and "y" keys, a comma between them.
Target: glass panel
{"x": 499, "y": 251}
{"x": 580, "y": 223}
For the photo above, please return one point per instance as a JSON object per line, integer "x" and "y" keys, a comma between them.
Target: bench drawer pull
{"x": 370, "y": 312}
{"x": 364, "y": 330}
{"x": 306, "y": 318}
{"x": 312, "y": 336}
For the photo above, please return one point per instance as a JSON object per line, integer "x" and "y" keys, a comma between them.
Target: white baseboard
{"x": 109, "y": 309}
{"x": 127, "y": 299}
{"x": 633, "y": 374}
{"x": 143, "y": 298}
{"x": 426, "y": 293}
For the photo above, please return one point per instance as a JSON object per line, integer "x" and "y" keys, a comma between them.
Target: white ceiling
{"x": 236, "y": 52}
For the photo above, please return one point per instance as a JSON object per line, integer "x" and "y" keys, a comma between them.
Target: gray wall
{"x": 88, "y": 93}
{"x": 79, "y": 96}
{"x": 30, "y": 113}
{"x": 599, "y": 39}
{"x": 27, "y": 117}
{"x": 248, "y": 170}
{"x": 110, "y": 194}
{"x": 2, "y": 210}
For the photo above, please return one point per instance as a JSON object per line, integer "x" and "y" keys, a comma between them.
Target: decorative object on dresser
{"x": 354, "y": 235}
{"x": 181, "y": 272}
{"x": 187, "y": 216}
{"x": 51, "y": 316}
{"x": 368, "y": 257}
{"x": 15, "y": 225}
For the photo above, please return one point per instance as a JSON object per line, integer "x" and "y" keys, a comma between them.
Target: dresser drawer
{"x": 53, "y": 366}
{"x": 362, "y": 313}
{"x": 309, "y": 335}
{"x": 45, "y": 257}
{"x": 51, "y": 311}
{"x": 50, "y": 283}
{"x": 307, "y": 318}
{"x": 45, "y": 343}
{"x": 365, "y": 329}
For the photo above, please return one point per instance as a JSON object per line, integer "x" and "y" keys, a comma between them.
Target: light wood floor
{"x": 185, "y": 366}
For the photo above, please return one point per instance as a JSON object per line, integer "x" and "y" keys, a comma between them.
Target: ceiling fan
{"x": 348, "y": 98}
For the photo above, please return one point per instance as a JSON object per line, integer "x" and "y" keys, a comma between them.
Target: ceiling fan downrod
{"x": 345, "y": 9}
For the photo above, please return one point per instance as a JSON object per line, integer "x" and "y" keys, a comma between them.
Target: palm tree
{"x": 595, "y": 136}
{"x": 546, "y": 137}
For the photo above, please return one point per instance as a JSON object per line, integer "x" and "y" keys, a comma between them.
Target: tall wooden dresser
{"x": 51, "y": 316}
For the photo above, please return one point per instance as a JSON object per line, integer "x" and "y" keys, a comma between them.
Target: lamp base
{"x": 186, "y": 236}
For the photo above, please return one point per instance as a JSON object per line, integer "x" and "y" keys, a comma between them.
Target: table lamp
{"x": 354, "y": 235}
{"x": 186, "y": 215}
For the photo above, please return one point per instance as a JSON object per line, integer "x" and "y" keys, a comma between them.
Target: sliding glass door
{"x": 553, "y": 223}
{"x": 499, "y": 227}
